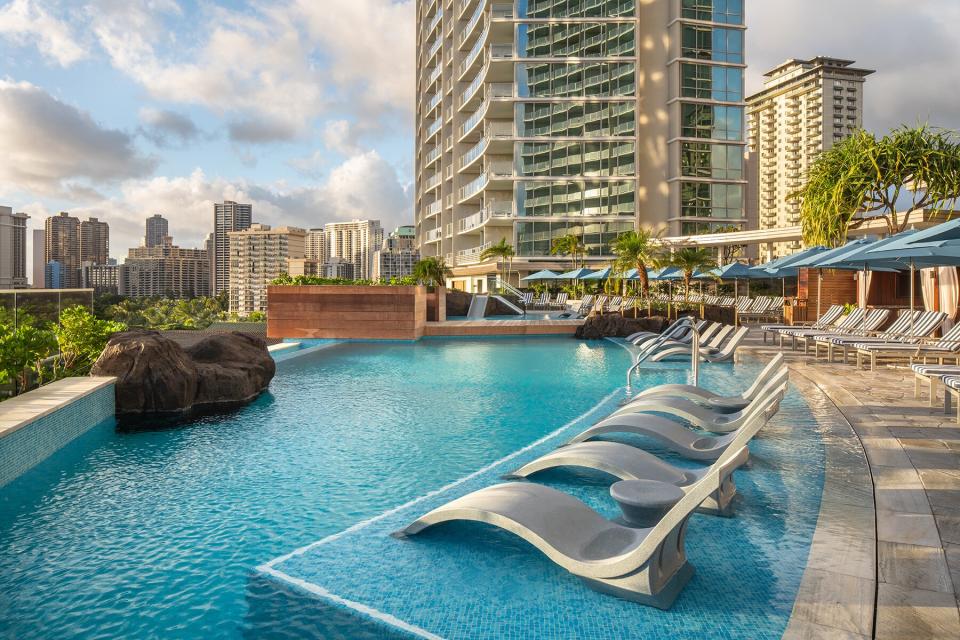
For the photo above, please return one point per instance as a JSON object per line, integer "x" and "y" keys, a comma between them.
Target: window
{"x": 580, "y": 40}
{"x": 575, "y": 8}
{"x": 575, "y": 80}
{"x": 703, "y": 228}
{"x": 578, "y": 119}
{"x": 718, "y": 161}
{"x": 711, "y": 121}
{"x": 575, "y": 198}
{"x": 725, "y": 11}
{"x": 711, "y": 82}
{"x": 712, "y": 43}
{"x": 575, "y": 158}
{"x": 710, "y": 200}
{"x": 536, "y": 238}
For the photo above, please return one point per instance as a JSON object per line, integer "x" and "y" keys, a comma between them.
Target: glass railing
{"x": 473, "y": 187}
{"x": 436, "y": 19}
{"x": 432, "y": 155}
{"x": 432, "y": 209}
{"x": 434, "y": 127}
{"x": 434, "y": 234}
{"x": 471, "y": 89}
{"x": 474, "y": 52}
{"x": 433, "y": 181}
{"x": 474, "y": 19}
{"x": 473, "y": 153}
{"x": 472, "y": 121}
{"x": 434, "y": 101}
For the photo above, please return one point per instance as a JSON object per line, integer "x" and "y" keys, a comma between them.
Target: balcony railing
{"x": 432, "y": 209}
{"x": 473, "y": 187}
{"x": 434, "y": 127}
{"x": 434, "y": 234}
{"x": 435, "y": 21}
{"x": 472, "y": 255}
{"x": 473, "y": 153}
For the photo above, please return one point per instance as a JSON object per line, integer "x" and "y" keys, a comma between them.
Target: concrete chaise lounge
{"x": 682, "y": 409}
{"x": 706, "y": 329}
{"x": 873, "y": 320}
{"x": 824, "y": 322}
{"x": 711, "y": 353}
{"x": 642, "y": 336}
{"x": 947, "y": 347}
{"x": 712, "y": 336}
{"x": 900, "y": 330}
{"x": 713, "y": 400}
{"x": 676, "y": 437}
{"x": 643, "y": 564}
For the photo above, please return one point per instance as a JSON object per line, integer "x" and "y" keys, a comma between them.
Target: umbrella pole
{"x": 863, "y": 285}
{"x": 912, "y": 293}
{"x": 819, "y": 290}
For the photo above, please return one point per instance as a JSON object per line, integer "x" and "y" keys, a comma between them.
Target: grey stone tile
{"x": 913, "y": 613}
{"x": 836, "y": 601}
{"x": 800, "y": 630}
{"x": 913, "y": 566}
{"x": 908, "y": 528}
{"x": 949, "y": 526}
{"x": 844, "y": 553}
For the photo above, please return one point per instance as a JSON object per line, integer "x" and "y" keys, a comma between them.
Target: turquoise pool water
{"x": 161, "y": 533}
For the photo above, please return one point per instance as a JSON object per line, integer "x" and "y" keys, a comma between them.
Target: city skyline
{"x": 173, "y": 137}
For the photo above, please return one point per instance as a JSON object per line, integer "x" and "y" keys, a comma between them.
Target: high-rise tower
{"x": 157, "y": 229}
{"x": 62, "y": 246}
{"x": 805, "y": 107}
{"x": 543, "y": 118}
{"x": 227, "y": 217}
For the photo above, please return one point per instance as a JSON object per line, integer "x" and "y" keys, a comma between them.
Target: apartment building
{"x": 157, "y": 228}
{"x": 165, "y": 270}
{"x": 543, "y": 118}
{"x": 228, "y": 217}
{"x": 94, "y": 241}
{"x": 62, "y": 246}
{"x": 257, "y": 256}
{"x": 13, "y": 249}
{"x": 397, "y": 255}
{"x": 316, "y": 245}
{"x": 102, "y": 278}
{"x": 353, "y": 243}
{"x": 38, "y": 264}
{"x": 805, "y": 107}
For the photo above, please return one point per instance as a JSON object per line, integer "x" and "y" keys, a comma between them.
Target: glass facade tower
{"x": 543, "y": 118}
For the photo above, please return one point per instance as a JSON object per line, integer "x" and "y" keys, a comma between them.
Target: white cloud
{"x": 340, "y": 136}
{"x": 164, "y": 127}
{"x": 51, "y": 148}
{"x": 365, "y": 186}
{"x": 27, "y": 22}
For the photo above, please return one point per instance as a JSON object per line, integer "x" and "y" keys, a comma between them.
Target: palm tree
{"x": 637, "y": 250}
{"x": 690, "y": 260}
{"x": 432, "y": 271}
{"x": 501, "y": 251}
{"x": 569, "y": 245}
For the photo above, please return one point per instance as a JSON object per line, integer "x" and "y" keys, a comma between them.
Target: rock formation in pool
{"x": 613, "y": 325}
{"x": 157, "y": 378}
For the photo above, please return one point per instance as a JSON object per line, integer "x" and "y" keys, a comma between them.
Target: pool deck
{"x": 901, "y": 577}
{"x": 452, "y": 328}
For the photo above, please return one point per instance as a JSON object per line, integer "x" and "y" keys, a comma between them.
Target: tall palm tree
{"x": 569, "y": 245}
{"x": 432, "y": 270}
{"x": 637, "y": 250}
{"x": 503, "y": 252}
{"x": 690, "y": 260}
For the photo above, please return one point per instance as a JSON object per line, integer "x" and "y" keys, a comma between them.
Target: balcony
{"x": 473, "y": 188}
{"x": 473, "y": 153}
{"x": 432, "y": 156}
{"x": 432, "y": 209}
{"x": 434, "y": 22}
{"x": 434, "y": 235}
{"x": 496, "y": 212}
{"x": 474, "y": 20}
{"x": 498, "y": 130}
{"x": 433, "y": 182}
{"x": 472, "y": 255}
{"x": 434, "y": 128}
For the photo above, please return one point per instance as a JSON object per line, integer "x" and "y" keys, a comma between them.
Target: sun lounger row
{"x": 641, "y": 555}
{"x": 543, "y": 301}
{"x": 718, "y": 343}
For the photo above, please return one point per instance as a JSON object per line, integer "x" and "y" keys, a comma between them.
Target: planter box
{"x": 346, "y": 312}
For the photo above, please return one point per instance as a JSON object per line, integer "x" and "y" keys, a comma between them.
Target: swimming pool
{"x": 160, "y": 533}
{"x": 532, "y": 316}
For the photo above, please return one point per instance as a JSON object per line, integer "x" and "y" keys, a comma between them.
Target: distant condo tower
{"x": 13, "y": 249}
{"x": 94, "y": 242}
{"x": 805, "y": 107}
{"x": 227, "y": 218}
{"x": 157, "y": 230}
{"x": 62, "y": 247}
{"x": 538, "y": 119}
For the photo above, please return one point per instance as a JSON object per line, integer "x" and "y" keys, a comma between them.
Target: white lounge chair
{"x": 713, "y": 331}
{"x": 900, "y": 330}
{"x": 645, "y": 565}
{"x": 715, "y": 401}
{"x": 898, "y": 350}
{"x": 710, "y": 353}
{"x": 873, "y": 320}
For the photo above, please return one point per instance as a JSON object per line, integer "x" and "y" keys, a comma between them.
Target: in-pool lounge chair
{"x": 712, "y": 353}
{"x": 712, "y": 331}
{"x": 825, "y": 322}
{"x": 645, "y": 564}
{"x": 900, "y": 330}
{"x": 946, "y": 348}
{"x": 715, "y": 401}
{"x": 672, "y": 435}
{"x": 642, "y": 336}
{"x": 585, "y": 305}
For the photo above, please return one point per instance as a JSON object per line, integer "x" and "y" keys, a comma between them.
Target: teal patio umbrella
{"x": 603, "y": 274}
{"x": 539, "y": 276}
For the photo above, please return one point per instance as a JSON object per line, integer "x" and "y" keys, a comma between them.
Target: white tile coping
{"x": 21, "y": 410}
{"x": 283, "y": 346}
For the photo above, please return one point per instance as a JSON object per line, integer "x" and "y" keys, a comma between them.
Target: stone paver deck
{"x": 913, "y": 452}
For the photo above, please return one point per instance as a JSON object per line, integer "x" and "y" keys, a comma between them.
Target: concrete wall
{"x": 346, "y": 312}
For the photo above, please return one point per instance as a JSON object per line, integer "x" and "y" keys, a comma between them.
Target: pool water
{"x": 167, "y": 533}
{"x": 159, "y": 533}
{"x": 532, "y": 316}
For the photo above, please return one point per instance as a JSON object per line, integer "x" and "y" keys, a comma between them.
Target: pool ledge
{"x": 25, "y": 409}
{"x": 838, "y": 592}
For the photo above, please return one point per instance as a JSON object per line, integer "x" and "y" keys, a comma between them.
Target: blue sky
{"x": 126, "y": 108}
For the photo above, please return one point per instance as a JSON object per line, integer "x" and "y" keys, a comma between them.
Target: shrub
{"x": 81, "y": 338}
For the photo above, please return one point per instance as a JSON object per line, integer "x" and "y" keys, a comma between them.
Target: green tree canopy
{"x": 637, "y": 250}
{"x": 690, "y": 260}
{"x": 503, "y": 252}
{"x": 864, "y": 177}
{"x": 569, "y": 245}
{"x": 432, "y": 270}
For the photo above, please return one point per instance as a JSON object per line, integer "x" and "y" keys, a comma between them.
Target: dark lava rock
{"x": 458, "y": 302}
{"x": 613, "y": 325}
{"x": 157, "y": 378}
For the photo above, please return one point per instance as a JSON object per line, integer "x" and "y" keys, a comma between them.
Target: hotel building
{"x": 94, "y": 242}
{"x": 257, "y": 256}
{"x": 543, "y": 118}
{"x": 62, "y": 246}
{"x": 157, "y": 229}
{"x": 353, "y": 243}
{"x": 165, "y": 270}
{"x": 13, "y": 249}
{"x": 228, "y": 217}
{"x": 398, "y": 254}
{"x": 805, "y": 107}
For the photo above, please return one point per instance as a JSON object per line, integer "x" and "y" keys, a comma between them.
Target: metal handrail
{"x": 675, "y": 330}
